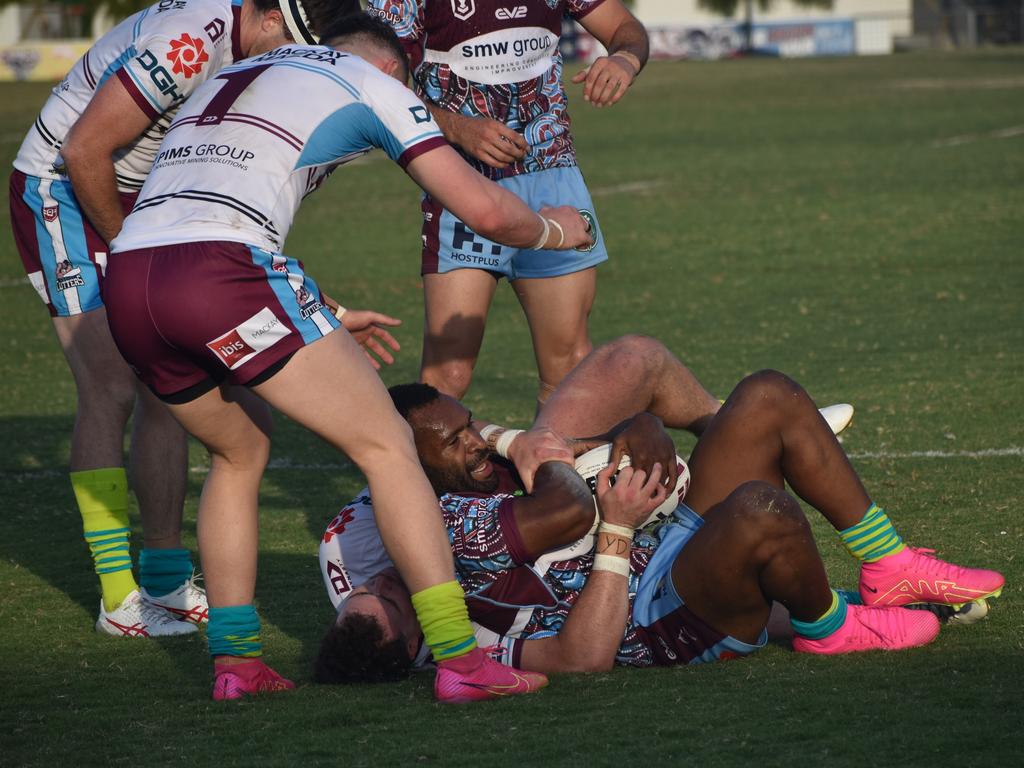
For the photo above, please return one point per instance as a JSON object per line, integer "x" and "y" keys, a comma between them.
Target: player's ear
{"x": 273, "y": 22}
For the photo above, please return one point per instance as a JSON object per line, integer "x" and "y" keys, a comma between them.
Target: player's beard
{"x": 451, "y": 479}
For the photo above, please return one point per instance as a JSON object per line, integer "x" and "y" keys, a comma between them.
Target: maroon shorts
{"x": 63, "y": 255}
{"x": 189, "y": 316}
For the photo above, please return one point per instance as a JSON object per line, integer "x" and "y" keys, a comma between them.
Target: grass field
{"x": 857, "y": 223}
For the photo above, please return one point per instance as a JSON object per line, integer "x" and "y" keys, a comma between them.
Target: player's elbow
{"x": 491, "y": 221}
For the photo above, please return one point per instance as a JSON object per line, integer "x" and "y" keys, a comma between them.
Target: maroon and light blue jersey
{"x": 484, "y": 58}
{"x": 160, "y": 55}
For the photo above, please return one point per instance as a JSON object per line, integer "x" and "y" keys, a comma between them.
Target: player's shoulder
{"x": 171, "y": 18}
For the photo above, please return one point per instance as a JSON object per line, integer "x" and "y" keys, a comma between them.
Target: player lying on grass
{"x": 200, "y": 297}
{"x": 746, "y": 541}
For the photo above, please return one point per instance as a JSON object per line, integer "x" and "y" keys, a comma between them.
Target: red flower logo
{"x": 187, "y": 55}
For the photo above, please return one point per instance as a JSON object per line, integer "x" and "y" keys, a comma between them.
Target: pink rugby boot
{"x": 915, "y": 576}
{"x": 247, "y": 678}
{"x": 477, "y": 677}
{"x": 874, "y": 629}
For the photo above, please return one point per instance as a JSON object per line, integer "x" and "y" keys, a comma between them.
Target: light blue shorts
{"x": 448, "y": 244}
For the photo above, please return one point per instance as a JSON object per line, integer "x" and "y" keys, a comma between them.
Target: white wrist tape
{"x": 616, "y": 530}
{"x": 561, "y": 233}
{"x": 505, "y": 441}
{"x": 619, "y": 565}
{"x": 340, "y": 312}
{"x": 544, "y": 235}
{"x": 489, "y": 430}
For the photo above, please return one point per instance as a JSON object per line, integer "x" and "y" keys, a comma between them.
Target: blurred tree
{"x": 728, "y": 8}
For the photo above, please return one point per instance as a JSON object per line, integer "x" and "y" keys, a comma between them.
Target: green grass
{"x": 790, "y": 214}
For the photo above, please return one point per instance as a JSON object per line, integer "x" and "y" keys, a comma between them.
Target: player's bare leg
{"x": 330, "y": 388}
{"x": 106, "y": 390}
{"x": 557, "y": 309}
{"x": 769, "y": 429}
{"x": 623, "y": 377}
{"x": 455, "y": 306}
{"x": 157, "y": 470}
{"x": 755, "y": 547}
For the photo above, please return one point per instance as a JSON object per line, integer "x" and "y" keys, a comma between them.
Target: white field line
{"x": 970, "y": 138}
{"x": 629, "y": 186}
{"x": 287, "y": 465}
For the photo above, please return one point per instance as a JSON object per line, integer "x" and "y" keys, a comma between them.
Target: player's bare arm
{"x": 493, "y": 211}
{"x": 593, "y": 630}
{"x": 111, "y": 121}
{"x": 609, "y": 77}
{"x": 482, "y": 138}
{"x": 558, "y": 512}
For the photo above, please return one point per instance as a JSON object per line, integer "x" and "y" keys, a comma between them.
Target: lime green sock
{"x": 442, "y": 613}
{"x": 102, "y": 496}
{"x": 873, "y": 538}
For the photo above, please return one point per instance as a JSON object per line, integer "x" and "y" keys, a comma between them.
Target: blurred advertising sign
{"x": 43, "y": 61}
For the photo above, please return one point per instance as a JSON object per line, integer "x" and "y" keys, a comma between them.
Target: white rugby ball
{"x": 596, "y": 459}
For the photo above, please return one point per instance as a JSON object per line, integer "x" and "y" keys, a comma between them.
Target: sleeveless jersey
{"x": 493, "y": 59}
{"x": 254, "y": 140}
{"x": 160, "y": 55}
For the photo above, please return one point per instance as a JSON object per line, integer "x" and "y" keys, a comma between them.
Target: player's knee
{"x": 450, "y": 378}
{"x": 769, "y": 388}
{"x": 767, "y": 511}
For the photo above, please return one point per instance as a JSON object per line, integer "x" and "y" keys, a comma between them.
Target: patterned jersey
{"x": 253, "y": 141}
{"x": 493, "y": 59}
{"x": 517, "y": 598}
{"x": 160, "y": 55}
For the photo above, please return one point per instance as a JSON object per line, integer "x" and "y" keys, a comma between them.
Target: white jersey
{"x": 260, "y": 136}
{"x": 160, "y": 55}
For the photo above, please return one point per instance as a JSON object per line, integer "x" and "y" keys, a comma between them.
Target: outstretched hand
{"x": 606, "y": 80}
{"x": 368, "y": 329}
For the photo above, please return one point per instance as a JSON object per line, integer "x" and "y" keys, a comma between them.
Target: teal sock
{"x": 828, "y": 623}
{"x": 161, "y": 571}
{"x": 873, "y": 537}
{"x": 851, "y": 597}
{"x": 234, "y": 631}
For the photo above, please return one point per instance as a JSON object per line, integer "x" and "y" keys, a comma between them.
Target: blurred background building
{"x": 41, "y": 40}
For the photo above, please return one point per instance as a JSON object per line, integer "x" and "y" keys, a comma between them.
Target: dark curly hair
{"x": 354, "y": 651}
{"x": 411, "y": 397}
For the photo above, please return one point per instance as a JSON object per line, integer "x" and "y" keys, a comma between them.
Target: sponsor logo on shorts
{"x": 463, "y": 9}
{"x": 68, "y": 276}
{"x": 50, "y": 212}
{"x": 187, "y": 55}
{"x": 243, "y": 342}
{"x": 309, "y": 304}
{"x": 589, "y": 218}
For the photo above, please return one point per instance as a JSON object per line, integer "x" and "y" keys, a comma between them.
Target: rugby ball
{"x": 593, "y": 461}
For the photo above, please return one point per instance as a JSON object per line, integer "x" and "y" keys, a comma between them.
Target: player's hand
{"x": 575, "y": 229}
{"x": 633, "y": 496}
{"x": 606, "y": 80}
{"x": 368, "y": 329}
{"x": 487, "y": 140}
{"x": 645, "y": 441}
{"x": 534, "y": 447}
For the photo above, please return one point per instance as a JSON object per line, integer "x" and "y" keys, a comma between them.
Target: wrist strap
{"x": 544, "y": 235}
{"x": 561, "y": 233}
{"x": 616, "y": 530}
{"x": 340, "y": 312}
{"x": 504, "y": 441}
{"x": 619, "y": 565}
